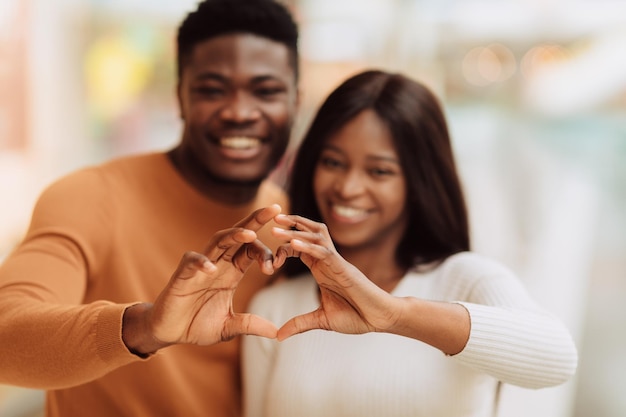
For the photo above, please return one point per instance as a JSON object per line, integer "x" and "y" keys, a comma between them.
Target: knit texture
{"x": 100, "y": 240}
{"x": 321, "y": 373}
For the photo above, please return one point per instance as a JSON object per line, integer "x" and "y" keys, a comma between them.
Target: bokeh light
{"x": 116, "y": 73}
{"x": 540, "y": 56}
{"x": 490, "y": 64}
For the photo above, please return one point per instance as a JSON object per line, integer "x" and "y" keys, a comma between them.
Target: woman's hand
{"x": 350, "y": 302}
{"x": 196, "y": 306}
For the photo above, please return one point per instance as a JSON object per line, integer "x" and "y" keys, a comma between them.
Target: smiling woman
{"x": 381, "y": 232}
{"x": 541, "y": 152}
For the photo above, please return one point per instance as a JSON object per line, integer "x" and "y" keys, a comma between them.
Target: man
{"x": 93, "y": 306}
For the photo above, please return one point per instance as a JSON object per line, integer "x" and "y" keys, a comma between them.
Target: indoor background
{"x": 534, "y": 91}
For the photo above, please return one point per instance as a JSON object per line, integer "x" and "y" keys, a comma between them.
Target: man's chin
{"x": 241, "y": 181}
{"x": 241, "y": 175}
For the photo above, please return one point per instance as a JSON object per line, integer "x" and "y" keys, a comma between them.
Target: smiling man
{"x": 125, "y": 282}
{"x": 237, "y": 97}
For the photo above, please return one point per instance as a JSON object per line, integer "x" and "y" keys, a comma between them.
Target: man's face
{"x": 238, "y": 98}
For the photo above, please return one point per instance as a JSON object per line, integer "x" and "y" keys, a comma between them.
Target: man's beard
{"x": 235, "y": 182}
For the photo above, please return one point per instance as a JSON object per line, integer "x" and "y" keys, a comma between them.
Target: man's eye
{"x": 269, "y": 92}
{"x": 208, "y": 91}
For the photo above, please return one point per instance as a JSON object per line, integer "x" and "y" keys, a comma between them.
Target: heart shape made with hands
{"x": 196, "y": 306}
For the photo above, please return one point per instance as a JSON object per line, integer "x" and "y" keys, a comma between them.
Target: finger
{"x": 227, "y": 242}
{"x": 300, "y": 324}
{"x": 250, "y": 324}
{"x": 255, "y": 251}
{"x": 313, "y": 237}
{"x": 282, "y": 253}
{"x": 289, "y": 250}
{"x": 259, "y": 218}
{"x": 191, "y": 263}
{"x": 293, "y": 221}
{"x": 314, "y": 250}
{"x": 255, "y": 221}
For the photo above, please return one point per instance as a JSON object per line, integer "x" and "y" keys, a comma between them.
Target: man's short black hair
{"x": 266, "y": 18}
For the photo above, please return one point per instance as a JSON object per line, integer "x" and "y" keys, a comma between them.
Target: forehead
{"x": 241, "y": 55}
{"x": 365, "y": 135}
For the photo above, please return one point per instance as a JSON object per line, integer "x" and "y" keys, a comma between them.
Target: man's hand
{"x": 196, "y": 305}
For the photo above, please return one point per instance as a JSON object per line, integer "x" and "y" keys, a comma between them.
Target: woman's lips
{"x": 348, "y": 214}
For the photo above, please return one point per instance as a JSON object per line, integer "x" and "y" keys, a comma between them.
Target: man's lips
{"x": 240, "y": 142}
{"x": 240, "y": 147}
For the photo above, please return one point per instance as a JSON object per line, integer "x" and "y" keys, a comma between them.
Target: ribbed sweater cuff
{"x": 525, "y": 349}
{"x": 487, "y": 332}
{"x": 110, "y": 346}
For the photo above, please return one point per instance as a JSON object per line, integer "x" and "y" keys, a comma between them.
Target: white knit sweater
{"x": 322, "y": 373}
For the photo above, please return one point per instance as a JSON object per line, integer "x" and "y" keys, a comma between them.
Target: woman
{"x": 382, "y": 235}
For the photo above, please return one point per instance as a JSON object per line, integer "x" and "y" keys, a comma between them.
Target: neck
{"x": 215, "y": 188}
{"x": 378, "y": 264}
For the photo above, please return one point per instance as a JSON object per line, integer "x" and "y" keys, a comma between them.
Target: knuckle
{"x": 190, "y": 256}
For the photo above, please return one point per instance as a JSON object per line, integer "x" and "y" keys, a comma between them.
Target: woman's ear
{"x": 298, "y": 99}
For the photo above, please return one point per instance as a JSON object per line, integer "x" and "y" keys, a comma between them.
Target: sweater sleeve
{"x": 50, "y": 338}
{"x": 511, "y": 337}
{"x": 528, "y": 349}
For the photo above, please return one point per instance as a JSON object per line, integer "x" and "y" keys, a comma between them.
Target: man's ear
{"x": 181, "y": 112}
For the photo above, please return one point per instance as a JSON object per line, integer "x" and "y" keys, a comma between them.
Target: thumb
{"x": 300, "y": 324}
{"x": 251, "y": 324}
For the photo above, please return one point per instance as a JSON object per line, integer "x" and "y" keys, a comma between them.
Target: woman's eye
{"x": 329, "y": 162}
{"x": 381, "y": 172}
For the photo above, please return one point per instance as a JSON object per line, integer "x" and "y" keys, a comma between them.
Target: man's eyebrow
{"x": 213, "y": 76}
{"x": 263, "y": 78}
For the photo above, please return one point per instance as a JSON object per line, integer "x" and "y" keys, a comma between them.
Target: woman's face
{"x": 359, "y": 185}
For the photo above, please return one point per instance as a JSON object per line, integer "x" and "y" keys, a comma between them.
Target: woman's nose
{"x": 349, "y": 184}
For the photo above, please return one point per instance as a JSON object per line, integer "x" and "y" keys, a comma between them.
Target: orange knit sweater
{"x": 101, "y": 239}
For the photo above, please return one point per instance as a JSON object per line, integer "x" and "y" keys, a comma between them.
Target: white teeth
{"x": 240, "y": 142}
{"x": 351, "y": 212}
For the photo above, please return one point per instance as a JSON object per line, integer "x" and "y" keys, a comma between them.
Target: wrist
{"x": 136, "y": 331}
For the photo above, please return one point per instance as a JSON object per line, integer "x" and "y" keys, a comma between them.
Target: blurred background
{"x": 534, "y": 91}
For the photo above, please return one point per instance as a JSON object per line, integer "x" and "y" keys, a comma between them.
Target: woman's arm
{"x": 485, "y": 317}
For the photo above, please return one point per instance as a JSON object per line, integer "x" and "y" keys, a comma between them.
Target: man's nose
{"x": 240, "y": 108}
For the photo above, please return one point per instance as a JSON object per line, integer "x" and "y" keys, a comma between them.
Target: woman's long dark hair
{"x": 438, "y": 224}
